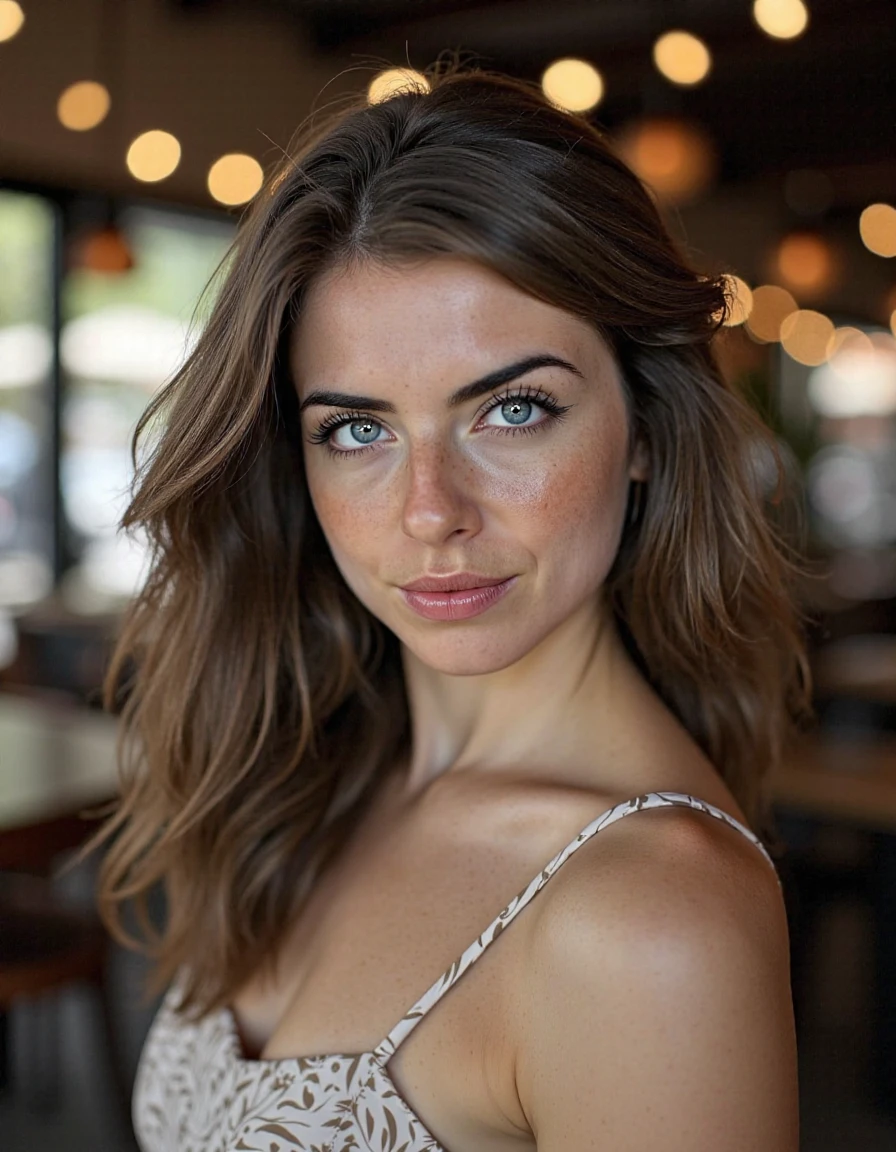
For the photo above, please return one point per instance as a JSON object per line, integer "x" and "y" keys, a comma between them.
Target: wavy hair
{"x": 260, "y": 702}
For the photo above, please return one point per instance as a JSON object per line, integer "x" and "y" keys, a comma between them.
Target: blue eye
{"x": 516, "y": 408}
{"x": 363, "y": 431}
{"x": 516, "y": 411}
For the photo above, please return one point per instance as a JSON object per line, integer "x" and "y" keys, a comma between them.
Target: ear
{"x": 639, "y": 465}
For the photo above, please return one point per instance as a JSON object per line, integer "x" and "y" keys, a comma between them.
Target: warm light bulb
{"x": 682, "y": 58}
{"x": 781, "y": 19}
{"x": 805, "y": 263}
{"x": 153, "y": 156}
{"x": 573, "y": 85}
{"x": 103, "y": 250}
{"x": 677, "y": 160}
{"x": 11, "y": 19}
{"x": 877, "y": 227}
{"x": 771, "y": 306}
{"x": 83, "y": 105}
{"x": 805, "y": 335}
{"x": 235, "y": 178}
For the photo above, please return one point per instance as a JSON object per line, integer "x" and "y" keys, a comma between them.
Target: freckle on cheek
{"x": 346, "y": 518}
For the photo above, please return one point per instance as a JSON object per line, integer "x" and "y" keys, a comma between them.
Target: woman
{"x": 460, "y": 558}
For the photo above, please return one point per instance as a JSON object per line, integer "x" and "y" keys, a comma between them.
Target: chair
{"x": 45, "y": 946}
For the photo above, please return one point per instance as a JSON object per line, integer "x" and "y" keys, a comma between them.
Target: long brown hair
{"x": 260, "y": 702}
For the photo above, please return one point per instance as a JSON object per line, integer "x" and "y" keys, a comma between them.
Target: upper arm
{"x": 658, "y": 1011}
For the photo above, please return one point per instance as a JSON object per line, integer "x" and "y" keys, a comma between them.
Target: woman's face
{"x": 424, "y": 467}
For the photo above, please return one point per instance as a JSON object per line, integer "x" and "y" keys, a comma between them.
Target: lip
{"x": 459, "y": 582}
{"x": 459, "y": 604}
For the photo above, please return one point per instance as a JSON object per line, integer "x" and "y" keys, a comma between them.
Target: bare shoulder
{"x": 657, "y": 1011}
{"x": 672, "y": 862}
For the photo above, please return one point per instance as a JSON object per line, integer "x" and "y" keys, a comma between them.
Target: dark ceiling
{"x": 827, "y": 99}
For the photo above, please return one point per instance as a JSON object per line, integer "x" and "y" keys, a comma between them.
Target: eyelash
{"x": 555, "y": 411}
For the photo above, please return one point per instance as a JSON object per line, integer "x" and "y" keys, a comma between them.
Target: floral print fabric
{"x": 195, "y": 1092}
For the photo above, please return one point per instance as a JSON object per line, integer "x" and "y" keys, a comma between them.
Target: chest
{"x": 407, "y": 894}
{"x": 410, "y": 893}
{"x": 403, "y": 902}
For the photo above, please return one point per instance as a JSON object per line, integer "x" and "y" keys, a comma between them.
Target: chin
{"x": 463, "y": 663}
{"x": 465, "y": 653}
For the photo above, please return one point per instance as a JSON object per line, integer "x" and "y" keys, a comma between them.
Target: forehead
{"x": 429, "y": 319}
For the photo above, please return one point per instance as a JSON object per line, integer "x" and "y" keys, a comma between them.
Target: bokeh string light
{"x": 83, "y": 105}
{"x": 682, "y": 58}
{"x": 805, "y": 263}
{"x": 781, "y": 19}
{"x": 12, "y": 18}
{"x": 235, "y": 178}
{"x": 573, "y": 85}
{"x": 153, "y": 156}
{"x": 877, "y": 227}
{"x": 771, "y": 306}
{"x": 676, "y": 159}
{"x": 805, "y": 335}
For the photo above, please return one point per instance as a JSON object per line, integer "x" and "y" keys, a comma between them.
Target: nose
{"x": 438, "y": 501}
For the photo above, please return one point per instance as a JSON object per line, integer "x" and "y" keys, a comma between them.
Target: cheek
{"x": 578, "y": 501}
{"x": 347, "y": 516}
{"x": 353, "y": 539}
{"x": 567, "y": 503}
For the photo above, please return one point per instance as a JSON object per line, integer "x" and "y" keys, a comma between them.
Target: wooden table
{"x": 841, "y": 779}
{"x": 55, "y": 761}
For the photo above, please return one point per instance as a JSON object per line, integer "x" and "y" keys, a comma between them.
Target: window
{"x": 124, "y": 334}
{"x": 28, "y": 224}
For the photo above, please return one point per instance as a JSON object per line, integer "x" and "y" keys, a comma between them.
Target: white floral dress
{"x": 195, "y": 1092}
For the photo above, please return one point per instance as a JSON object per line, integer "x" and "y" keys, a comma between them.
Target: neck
{"x": 541, "y": 714}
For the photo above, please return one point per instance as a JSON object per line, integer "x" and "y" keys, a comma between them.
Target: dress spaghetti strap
{"x": 387, "y": 1047}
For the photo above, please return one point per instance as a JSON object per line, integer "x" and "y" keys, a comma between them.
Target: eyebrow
{"x": 456, "y": 399}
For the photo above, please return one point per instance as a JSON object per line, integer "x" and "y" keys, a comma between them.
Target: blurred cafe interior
{"x": 133, "y": 133}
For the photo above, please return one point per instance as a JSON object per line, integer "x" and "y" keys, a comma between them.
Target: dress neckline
{"x": 305, "y": 1063}
{"x": 236, "y": 1048}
